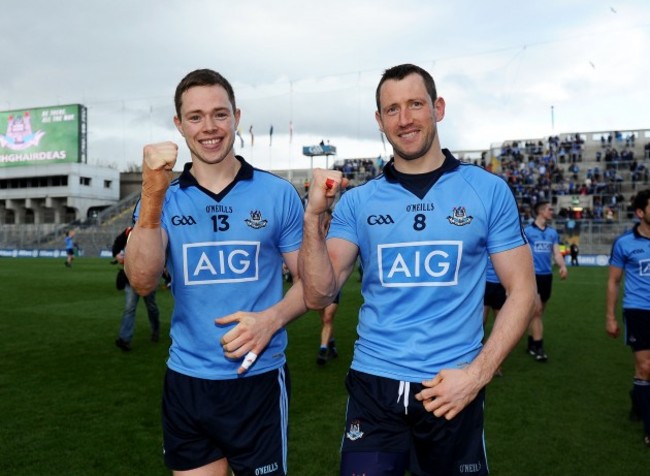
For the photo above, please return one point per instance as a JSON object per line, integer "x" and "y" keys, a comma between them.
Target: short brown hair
{"x": 402, "y": 71}
{"x": 202, "y": 77}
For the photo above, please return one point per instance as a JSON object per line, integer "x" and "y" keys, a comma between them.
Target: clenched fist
{"x": 160, "y": 156}
{"x": 157, "y": 164}
{"x": 324, "y": 186}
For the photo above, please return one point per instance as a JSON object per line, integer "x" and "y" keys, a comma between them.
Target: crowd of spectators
{"x": 543, "y": 170}
{"x": 359, "y": 170}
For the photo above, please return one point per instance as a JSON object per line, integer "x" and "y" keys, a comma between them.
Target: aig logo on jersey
{"x": 424, "y": 263}
{"x": 543, "y": 246}
{"x": 220, "y": 262}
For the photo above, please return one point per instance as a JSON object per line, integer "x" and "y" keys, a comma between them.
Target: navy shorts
{"x": 495, "y": 295}
{"x": 384, "y": 418}
{"x": 244, "y": 420}
{"x": 637, "y": 328}
{"x": 544, "y": 285}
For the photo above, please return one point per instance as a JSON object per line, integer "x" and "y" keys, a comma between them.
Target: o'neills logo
{"x": 470, "y": 468}
{"x": 269, "y": 468}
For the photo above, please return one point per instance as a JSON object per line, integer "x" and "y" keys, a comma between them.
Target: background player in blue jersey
{"x": 223, "y": 230}
{"x": 69, "y": 248}
{"x": 423, "y": 230}
{"x": 631, "y": 256}
{"x": 545, "y": 243}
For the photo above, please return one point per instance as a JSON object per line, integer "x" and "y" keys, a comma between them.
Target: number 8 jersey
{"x": 424, "y": 260}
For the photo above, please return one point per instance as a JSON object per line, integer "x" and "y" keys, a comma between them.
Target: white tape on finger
{"x": 249, "y": 359}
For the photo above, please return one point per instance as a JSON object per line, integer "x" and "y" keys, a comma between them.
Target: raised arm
{"x": 323, "y": 267}
{"x": 144, "y": 258}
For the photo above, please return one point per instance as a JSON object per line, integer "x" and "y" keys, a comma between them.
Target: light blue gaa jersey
{"x": 424, "y": 266}
{"x": 225, "y": 255}
{"x": 631, "y": 252}
{"x": 490, "y": 273}
{"x": 541, "y": 244}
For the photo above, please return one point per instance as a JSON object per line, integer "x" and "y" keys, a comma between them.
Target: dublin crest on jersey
{"x": 355, "y": 430}
{"x": 459, "y": 217}
{"x": 256, "y": 221}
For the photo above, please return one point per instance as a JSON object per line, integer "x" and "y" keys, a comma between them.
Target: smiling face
{"x": 208, "y": 123}
{"x": 408, "y": 116}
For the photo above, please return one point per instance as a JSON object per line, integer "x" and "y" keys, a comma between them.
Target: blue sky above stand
{"x": 507, "y": 69}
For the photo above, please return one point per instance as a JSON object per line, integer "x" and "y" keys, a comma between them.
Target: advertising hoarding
{"x": 43, "y": 135}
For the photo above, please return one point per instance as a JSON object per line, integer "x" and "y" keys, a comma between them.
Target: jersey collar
{"x": 450, "y": 163}
{"x": 535, "y": 225}
{"x": 186, "y": 179}
{"x": 635, "y": 230}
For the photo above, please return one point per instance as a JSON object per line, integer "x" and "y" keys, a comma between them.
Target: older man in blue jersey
{"x": 423, "y": 230}
{"x": 223, "y": 230}
{"x": 631, "y": 257}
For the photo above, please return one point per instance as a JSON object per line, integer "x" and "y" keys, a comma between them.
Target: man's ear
{"x": 378, "y": 119}
{"x": 177, "y": 123}
{"x": 439, "y": 109}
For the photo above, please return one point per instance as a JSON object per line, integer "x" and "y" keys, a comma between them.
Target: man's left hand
{"x": 251, "y": 334}
{"x": 449, "y": 392}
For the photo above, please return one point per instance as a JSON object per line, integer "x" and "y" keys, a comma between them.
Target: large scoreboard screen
{"x": 43, "y": 135}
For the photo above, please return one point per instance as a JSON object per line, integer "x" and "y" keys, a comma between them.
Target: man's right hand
{"x": 157, "y": 164}
{"x": 325, "y": 184}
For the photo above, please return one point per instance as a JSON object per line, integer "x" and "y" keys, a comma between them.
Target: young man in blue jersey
{"x": 222, "y": 230}
{"x": 545, "y": 244}
{"x": 631, "y": 257}
{"x": 423, "y": 230}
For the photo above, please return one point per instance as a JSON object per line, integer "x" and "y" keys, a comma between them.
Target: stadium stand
{"x": 590, "y": 177}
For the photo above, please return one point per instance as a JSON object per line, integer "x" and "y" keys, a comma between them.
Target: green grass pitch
{"x": 71, "y": 403}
